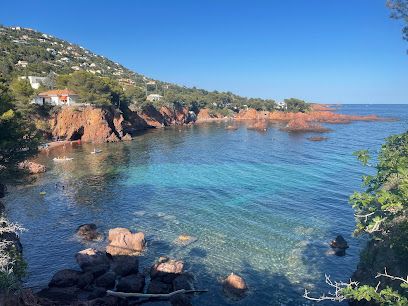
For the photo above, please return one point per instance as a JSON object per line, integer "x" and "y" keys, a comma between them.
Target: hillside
{"x": 26, "y": 52}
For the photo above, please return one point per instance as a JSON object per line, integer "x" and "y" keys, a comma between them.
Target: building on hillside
{"x": 22, "y": 64}
{"x": 35, "y": 81}
{"x": 154, "y": 97}
{"x": 58, "y": 97}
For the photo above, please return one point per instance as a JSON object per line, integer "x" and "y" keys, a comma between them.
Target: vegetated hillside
{"x": 28, "y": 52}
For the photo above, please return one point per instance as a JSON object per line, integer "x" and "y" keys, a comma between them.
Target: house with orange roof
{"x": 57, "y": 97}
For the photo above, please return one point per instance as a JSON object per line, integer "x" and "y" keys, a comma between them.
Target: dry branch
{"x": 152, "y": 295}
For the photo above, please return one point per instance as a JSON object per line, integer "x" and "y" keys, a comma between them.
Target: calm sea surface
{"x": 263, "y": 205}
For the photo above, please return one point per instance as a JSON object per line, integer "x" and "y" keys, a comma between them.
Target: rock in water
{"x": 234, "y": 286}
{"x": 31, "y": 167}
{"x": 166, "y": 269}
{"x": 339, "y": 245}
{"x": 91, "y": 260}
{"x": 65, "y": 278}
{"x": 185, "y": 240}
{"x": 123, "y": 242}
{"x": 125, "y": 265}
{"x": 88, "y": 232}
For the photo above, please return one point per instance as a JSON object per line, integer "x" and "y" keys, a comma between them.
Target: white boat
{"x": 96, "y": 151}
{"x": 62, "y": 159}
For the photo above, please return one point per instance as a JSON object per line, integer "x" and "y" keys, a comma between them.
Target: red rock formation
{"x": 205, "y": 116}
{"x": 302, "y": 125}
{"x": 89, "y": 124}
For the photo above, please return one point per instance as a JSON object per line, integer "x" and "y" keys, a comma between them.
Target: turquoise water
{"x": 263, "y": 205}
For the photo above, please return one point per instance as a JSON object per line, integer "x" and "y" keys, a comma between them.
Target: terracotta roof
{"x": 58, "y": 92}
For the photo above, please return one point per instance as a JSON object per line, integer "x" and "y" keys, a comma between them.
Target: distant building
{"x": 22, "y": 64}
{"x": 154, "y": 97}
{"x": 35, "y": 81}
{"x": 64, "y": 97}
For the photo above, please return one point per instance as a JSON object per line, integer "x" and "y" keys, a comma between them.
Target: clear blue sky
{"x": 337, "y": 51}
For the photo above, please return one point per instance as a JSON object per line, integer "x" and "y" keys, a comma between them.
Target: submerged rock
{"x": 88, "y": 232}
{"x": 123, "y": 242}
{"x": 184, "y": 240}
{"x": 235, "y": 287}
{"x": 317, "y": 138}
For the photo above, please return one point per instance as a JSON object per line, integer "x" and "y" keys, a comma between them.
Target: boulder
{"x": 339, "y": 243}
{"x": 106, "y": 280}
{"x": 32, "y": 167}
{"x": 117, "y": 232}
{"x": 123, "y": 242}
{"x": 166, "y": 269}
{"x": 91, "y": 260}
{"x": 85, "y": 280}
{"x": 97, "y": 292}
{"x": 234, "y": 286}
{"x": 65, "y": 278}
{"x": 131, "y": 283}
{"x": 88, "y": 232}
{"x": 156, "y": 286}
{"x": 125, "y": 265}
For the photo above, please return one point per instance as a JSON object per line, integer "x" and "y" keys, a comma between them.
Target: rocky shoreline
{"x": 105, "y": 275}
{"x": 98, "y": 125}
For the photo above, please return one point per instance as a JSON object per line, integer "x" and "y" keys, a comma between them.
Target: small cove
{"x": 263, "y": 205}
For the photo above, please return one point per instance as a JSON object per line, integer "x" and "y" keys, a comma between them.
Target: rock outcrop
{"x": 108, "y": 124}
{"x": 124, "y": 242}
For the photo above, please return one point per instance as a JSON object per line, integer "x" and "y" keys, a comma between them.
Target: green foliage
{"x": 22, "y": 93}
{"x": 363, "y": 156}
{"x": 384, "y": 297}
{"x": 296, "y": 105}
{"x": 96, "y": 90}
{"x": 386, "y": 194}
{"x": 18, "y": 135}
{"x": 399, "y": 9}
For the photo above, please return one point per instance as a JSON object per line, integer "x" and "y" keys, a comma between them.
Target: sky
{"x": 337, "y": 51}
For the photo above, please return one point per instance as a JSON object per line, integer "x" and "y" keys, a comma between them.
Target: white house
{"x": 58, "y": 97}
{"x": 35, "y": 81}
{"x": 22, "y": 64}
{"x": 154, "y": 97}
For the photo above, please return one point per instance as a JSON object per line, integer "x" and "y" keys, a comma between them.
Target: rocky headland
{"x": 108, "y": 124}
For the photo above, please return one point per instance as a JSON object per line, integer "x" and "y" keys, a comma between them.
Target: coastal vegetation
{"x": 381, "y": 212}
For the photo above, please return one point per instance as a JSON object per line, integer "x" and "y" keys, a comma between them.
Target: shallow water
{"x": 263, "y": 205}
